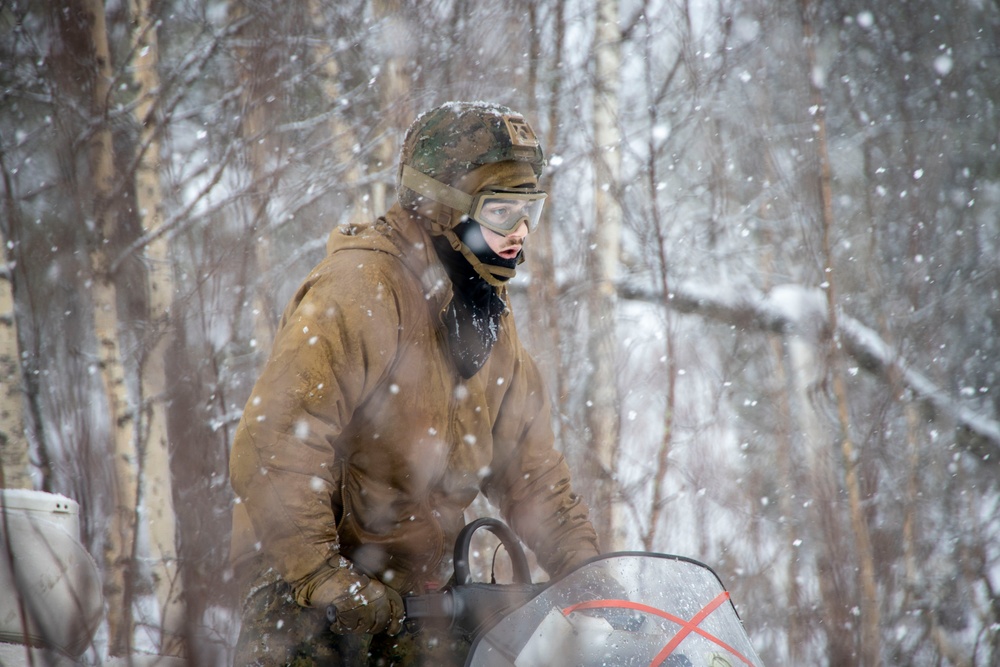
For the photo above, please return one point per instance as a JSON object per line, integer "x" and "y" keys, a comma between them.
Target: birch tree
{"x": 602, "y": 396}
{"x": 14, "y": 460}
{"x": 154, "y": 465}
{"x": 120, "y": 542}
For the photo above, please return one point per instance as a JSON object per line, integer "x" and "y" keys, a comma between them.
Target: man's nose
{"x": 520, "y": 232}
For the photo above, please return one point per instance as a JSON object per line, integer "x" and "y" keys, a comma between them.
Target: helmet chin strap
{"x": 497, "y": 276}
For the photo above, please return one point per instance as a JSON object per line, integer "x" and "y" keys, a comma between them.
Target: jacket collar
{"x": 410, "y": 233}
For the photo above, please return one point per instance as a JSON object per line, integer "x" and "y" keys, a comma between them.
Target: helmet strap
{"x": 497, "y": 276}
{"x": 435, "y": 190}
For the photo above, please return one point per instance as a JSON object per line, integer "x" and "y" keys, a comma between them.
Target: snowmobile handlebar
{"x": 470, "y": 606}
{"x": 463, "y": 544}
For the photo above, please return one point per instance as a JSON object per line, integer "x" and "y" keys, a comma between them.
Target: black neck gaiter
{"x": 473, "y": 316}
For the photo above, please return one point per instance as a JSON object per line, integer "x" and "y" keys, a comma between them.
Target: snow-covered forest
{"x": 765, "y": 292}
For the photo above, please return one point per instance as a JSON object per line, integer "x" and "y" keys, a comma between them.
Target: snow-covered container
{"x": 51, "y": 589}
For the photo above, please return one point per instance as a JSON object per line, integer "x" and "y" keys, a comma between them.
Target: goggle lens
{"x": 503, "y": 211}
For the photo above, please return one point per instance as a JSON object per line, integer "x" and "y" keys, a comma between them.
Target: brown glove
{"x": 354, "y": 603}
{"x": 370, "y": 609}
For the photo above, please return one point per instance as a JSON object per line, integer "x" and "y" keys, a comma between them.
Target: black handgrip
{"x": 468, "y": 608}
{"x": 438, "y": 606}
{"x": 518, "y": 560}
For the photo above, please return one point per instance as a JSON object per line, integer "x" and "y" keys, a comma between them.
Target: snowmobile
{"x": 626, "y": 608}
{"x": 623, "y": 609}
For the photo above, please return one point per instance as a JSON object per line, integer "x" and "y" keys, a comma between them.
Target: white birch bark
{"x": 155, "y": 477}
{"x": 15, "y": 471}
{"x": 120, "y": 543}
{"x": 602, "y": 400}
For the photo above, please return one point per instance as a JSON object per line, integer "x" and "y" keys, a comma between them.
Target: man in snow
{"x": 396, "y": 391}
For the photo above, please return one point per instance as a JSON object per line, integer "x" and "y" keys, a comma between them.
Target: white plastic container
{"x": 50, "y": 588}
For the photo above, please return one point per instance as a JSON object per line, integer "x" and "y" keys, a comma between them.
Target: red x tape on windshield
{"x": 687, "y": 627}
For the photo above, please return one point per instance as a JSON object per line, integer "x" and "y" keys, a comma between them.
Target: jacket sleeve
{"x": 530, "y": 481}
{"x": 337, "y": 339}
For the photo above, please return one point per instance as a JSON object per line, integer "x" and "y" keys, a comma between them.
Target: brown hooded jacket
{"x": 361, "y": 440}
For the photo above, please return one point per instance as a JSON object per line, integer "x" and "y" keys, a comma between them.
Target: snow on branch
{"x": 979, "y": 435}
{"x": 794, "y": 309}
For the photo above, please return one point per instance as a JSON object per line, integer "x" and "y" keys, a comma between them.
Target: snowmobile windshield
{"x": 627, "y": 609}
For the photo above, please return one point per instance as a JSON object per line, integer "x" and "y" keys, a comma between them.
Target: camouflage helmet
{"x": 453, "y": 139}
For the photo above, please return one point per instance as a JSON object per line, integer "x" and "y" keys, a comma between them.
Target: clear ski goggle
{"x": 501, "y": 210}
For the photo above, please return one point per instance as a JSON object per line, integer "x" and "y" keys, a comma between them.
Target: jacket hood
{"x": 404, "y": 234}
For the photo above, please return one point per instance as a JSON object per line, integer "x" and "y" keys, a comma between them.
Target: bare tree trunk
{"x": 602, "y": 394}
{"x": 797, "y": 637}
{"x": 669, "y": 352}
{"x": 822, "y": 493}
{"x": 542, "y": 290}
{"x": 344, "y": 137}
{"x": 868, "y": 589}
{"x": 120, "y": 544}
{"x": 394, "y": 91}
{"x": 15, "y": 470}
{"x": 156, "y": 484}
{"x": 255, "y": 75}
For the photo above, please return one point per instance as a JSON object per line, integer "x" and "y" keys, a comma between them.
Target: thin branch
{"x": 751, "y": 310}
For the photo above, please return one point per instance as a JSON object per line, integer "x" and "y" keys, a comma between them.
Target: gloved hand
{"x": 354, "y": 603}
{"x": 370, "y": 609}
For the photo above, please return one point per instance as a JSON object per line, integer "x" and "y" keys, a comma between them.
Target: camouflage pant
{"x": 276, "y": 632}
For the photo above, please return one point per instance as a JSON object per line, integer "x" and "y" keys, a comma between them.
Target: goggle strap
{"x": 435, "y": 190}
